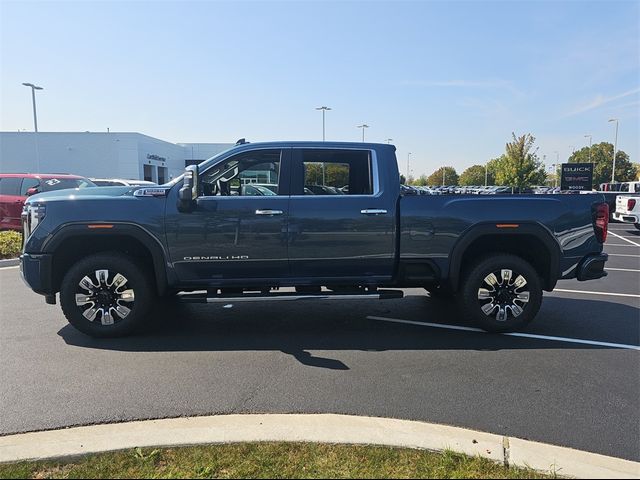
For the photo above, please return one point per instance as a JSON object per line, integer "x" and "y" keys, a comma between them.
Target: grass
{"x": 10, "y": 244}
{"x": 268, "y": 460}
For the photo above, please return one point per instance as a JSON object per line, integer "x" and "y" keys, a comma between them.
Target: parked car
{"x": 628, "y": 209}
{"x": 112, "y": 253}
{"x": 119, "y": 182}
{"x": 16, "y": 187}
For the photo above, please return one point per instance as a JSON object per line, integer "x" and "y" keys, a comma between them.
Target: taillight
{"x": 601, "y": 222}
{"x": 631, "y": 204}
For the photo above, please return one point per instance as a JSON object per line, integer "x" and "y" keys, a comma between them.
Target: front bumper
{"x": 592, "y": 267}
{"x": 625, "y": 217}
{"x": 37, "y": 272}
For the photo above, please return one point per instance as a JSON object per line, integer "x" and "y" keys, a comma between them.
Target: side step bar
{"x": 288, "y": 296}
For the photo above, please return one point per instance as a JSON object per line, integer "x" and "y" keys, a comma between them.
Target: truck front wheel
{"x": 106, "y": 295}
{"x": 501, "y": 293}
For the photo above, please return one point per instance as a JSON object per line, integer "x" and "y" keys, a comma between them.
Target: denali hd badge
{"x": 217, "y": 257}
{"x": 151, "y": 192}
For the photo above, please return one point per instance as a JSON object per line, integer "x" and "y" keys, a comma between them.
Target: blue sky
{"x": 447, "y": 81}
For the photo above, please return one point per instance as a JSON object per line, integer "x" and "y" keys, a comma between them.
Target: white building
{"x": 100, "y": 155}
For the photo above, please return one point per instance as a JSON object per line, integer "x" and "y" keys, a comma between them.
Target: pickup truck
{"x": 113, "y": 253}
{"x": 628, "y": 209}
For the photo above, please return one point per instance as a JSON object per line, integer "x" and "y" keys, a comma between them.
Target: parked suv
{"x": 16, "y": 187}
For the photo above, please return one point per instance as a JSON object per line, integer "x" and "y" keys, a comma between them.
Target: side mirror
{"x": 32, "y": 191}
{"x": 189, "y": 191}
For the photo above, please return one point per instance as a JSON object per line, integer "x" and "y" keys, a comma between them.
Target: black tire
{"x": 506, "y": 298}
{"x": 637, "y": 225}
{"x": 109, "y": 294}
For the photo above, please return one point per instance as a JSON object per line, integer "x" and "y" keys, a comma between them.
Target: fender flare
{"x": 146, "y": 238}
{"x": 517, "y": 228}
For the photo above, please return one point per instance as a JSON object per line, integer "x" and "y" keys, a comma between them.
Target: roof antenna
{"x": 242, "y": 141}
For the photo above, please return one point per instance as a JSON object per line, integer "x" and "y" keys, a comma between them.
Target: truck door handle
{"x": 269, "y": 212}
{"x": 373, "y": 211}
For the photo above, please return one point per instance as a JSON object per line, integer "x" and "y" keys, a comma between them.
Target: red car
{"x": 16, "y": 187}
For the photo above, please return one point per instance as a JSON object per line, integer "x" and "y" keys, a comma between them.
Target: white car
{"x": 628, "y": 209}
{"x": 119, "y": 182}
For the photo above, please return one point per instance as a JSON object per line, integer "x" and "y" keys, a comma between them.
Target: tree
{"x": 403, "y": 181}
{"x": 520, "y": 167}
{"x": 450, "y": 174}
{"x": 473, "y": 175}
{"x": 602, "y": 159}
{"x": 421, "y": 181}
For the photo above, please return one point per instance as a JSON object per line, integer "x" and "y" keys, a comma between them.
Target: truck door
{"x": 238, "y": 227}
{"x": 341, "y": 223}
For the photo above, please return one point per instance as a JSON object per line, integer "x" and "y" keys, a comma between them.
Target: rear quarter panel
{"x": 431, "y": 226}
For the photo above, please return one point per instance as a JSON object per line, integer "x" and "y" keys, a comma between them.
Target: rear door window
{"x": 336, "y": 172}
{"x": 10, "y": 185}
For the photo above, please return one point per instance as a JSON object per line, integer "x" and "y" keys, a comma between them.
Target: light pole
{"x": 615, "y": 148}
{"x": 589, "y": 146}
{"x": 324, "y": 109}
{"x": 444, "y": 169}
{"x": 408, "y": 153}
{"x": 33, "y": 99}
{"x": 486, "y": 173}
{"x": 363, "y": 126}
{"x": 389, "y": 140}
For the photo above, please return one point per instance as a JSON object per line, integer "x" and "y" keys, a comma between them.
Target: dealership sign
{"x": 576, "y": 176}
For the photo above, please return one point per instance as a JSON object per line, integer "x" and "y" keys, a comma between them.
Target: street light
{"x": 444, "y": 169}
{"x": 324, "y": 109}
{"x": 615, "y": 147}
{"x": 363, "y": 126}
{"x": 408, "y": 153}
{"x": 589, "y": 146}
{"x": 389, "y": 140}
{"x": 33, "y": 99}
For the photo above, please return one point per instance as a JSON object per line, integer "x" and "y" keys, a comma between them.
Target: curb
{"x": 11, "y": 262}
{"x": 322, "y": 428}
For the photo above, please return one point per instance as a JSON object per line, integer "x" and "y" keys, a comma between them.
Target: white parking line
{"x": 622, "y": 269}
{"x": 625, "y": 239}
{"x": 9, "y": 268}
{"x": 513, "y": 334}
{"x": 620, "y": 244}
{"x": 621, "y": 255}
{"x": 586, "y": 292}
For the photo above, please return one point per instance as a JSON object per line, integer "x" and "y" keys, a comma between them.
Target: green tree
{"x": 473, "y": 175}
{"x": 421, "y": 181}
{"x": 403, "y": 180}
{"x": 450, "y": 177}
{"x": 520, "y": 167}
{"x": 601, "y": 155}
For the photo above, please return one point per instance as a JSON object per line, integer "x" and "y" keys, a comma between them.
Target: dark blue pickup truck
{"x": 325, "y": 218}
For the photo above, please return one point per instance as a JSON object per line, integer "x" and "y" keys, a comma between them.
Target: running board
{"x": 288, "y": 296}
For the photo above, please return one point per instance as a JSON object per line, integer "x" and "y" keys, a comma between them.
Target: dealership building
{"x": 126, "y": 155}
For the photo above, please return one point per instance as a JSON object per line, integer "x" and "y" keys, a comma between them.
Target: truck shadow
{"x": 302, "y": 328}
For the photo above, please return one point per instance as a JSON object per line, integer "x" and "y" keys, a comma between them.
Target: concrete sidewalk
{"x": 322, "y": 428}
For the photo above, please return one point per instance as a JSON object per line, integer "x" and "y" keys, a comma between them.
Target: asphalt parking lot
{"x": 572, "y": 378}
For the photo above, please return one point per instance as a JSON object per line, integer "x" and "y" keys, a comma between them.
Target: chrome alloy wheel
{"x": 109, "y": 296}
{"x": 503, "y": 293}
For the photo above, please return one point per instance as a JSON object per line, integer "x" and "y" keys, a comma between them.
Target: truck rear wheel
{"x": 107, "y": 295}
{"x": 501, "y": 293}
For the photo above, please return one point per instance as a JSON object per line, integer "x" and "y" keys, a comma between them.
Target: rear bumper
{"x": 592, "y": 267}
{"x": 625, "y": 217}
{"x": 37, "y": 272}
